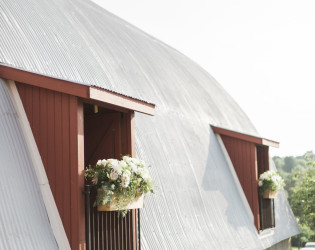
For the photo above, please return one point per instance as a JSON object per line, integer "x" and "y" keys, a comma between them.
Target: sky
{"x": 261, "y": 52}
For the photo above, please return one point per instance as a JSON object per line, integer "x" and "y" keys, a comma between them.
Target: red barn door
{"x": 105, "y": 137}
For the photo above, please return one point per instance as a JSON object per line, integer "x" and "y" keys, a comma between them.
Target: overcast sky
{"x": 261, "y": 52}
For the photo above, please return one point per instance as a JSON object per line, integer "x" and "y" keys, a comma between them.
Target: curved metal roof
{"x": 199, "y": 206}
{"x": 78, "y": 41}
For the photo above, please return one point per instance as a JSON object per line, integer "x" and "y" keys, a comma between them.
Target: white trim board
{"x": 49, "y": 201}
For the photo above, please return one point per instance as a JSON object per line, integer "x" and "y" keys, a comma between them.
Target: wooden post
{"x": 77, "y": 174}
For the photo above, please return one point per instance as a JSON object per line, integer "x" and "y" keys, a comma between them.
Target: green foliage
{"x": 299, "y": 175}
{"x": 120, "y": 182}
{"x": 270, "y": 180}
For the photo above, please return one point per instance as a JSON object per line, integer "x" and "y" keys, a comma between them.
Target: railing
{"x": 108, "y": 231}
{"x": 267, "y": 213}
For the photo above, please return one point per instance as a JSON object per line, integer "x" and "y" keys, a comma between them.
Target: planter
{"x": 270, "y": 194}
{"x": 112, "y": 206}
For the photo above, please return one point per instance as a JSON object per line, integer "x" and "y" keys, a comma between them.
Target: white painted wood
{"x": 121, "y": 101}
{"x": 47, "y": 195}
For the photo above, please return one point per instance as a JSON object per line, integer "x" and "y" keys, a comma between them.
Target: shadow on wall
{"x": 218, "y": 177}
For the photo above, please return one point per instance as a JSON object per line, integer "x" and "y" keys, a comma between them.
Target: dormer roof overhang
{"x": 90, "y": 93}
{"x": 245, "y": 137}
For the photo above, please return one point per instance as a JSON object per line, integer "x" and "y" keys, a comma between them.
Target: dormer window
{"x": 250, "y": 157}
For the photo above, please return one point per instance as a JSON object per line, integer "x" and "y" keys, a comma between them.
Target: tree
{"x": 302, "y": 201}
{"x": 289, "y": 164}
{"x": 299, "y": 176}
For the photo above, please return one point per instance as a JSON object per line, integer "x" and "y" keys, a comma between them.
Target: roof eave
{"x": 245, "y": 137}
{"x": 84, "y": 91}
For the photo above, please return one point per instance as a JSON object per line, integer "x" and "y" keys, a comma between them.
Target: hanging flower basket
{"x": 270, "y": 194}
{"x": 121, "y": 184}
{"x": 114, "y": 206}
{"x": 269, "y": 184}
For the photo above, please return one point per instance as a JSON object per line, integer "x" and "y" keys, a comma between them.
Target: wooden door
{"x": 103, "y": 140}
{"x": 102, "y": 134}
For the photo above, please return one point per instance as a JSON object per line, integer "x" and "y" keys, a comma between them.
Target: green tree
{"x": 302, "y": 201}
{"x": 299, "y": 176}
{"x": 289, "y": 164}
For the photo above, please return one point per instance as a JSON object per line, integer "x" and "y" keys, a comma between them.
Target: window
{"x": 250, "y": 157}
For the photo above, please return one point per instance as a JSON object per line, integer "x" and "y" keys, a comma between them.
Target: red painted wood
{"x": 57, "y": 122}
{"x": 245, "y": 137}
{"x": 54, "y": 120}
{"x": 75, "y": 89}
{"x": 244, "y": 159}
{"x": 46, "y": 82}
{"x": 102, "y": 137}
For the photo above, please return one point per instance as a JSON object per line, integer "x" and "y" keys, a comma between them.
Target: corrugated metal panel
{"x": 78, "y": 41}
{"x": 23, "y": 218}
{"x": 198, "y": 206}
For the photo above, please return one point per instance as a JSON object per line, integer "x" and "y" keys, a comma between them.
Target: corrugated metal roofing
{"x": 76, "y": 40}
{"x": 24, "y": 223}
{"x": 199, "y": 206}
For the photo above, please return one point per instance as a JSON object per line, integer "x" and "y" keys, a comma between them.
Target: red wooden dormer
{"x": 250, "y": 158}
{"x": 74, "y": 125}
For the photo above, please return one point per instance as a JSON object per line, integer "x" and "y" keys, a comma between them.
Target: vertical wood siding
{"x": 244, "y": 158}
{"x": 53, "y": 117}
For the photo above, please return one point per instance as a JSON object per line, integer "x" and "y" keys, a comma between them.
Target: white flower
{"x": 263, "y": 176}
{"x": 122, "y": 164}
{"x": 113, "y": 176}
{"x": 135, "y": 161}
{"x": 260, "y": 183}
{"x": 140, "y": 171}
{"x": 115, "y": 166}
{"x": 125, "y": 183}
{"x": 103, "y": 162}
{"x": 125, "y": 180}
{"x": 127, "y": 173}
{"x": 117, "y": 169}
{"x": 126, "y": 159}
{"x": 112, "y": 161}
{"x": 113, "y": 186}
{"x": 133, "y": 167}
{"x": 125, "y": 176}
{"x": 99, "y": 162}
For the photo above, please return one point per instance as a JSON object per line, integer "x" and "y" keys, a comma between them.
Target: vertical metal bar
{"x": 121, "y": 233}
{"x": 139, "y": 238}
{"x": 125, "y": 229}
{"x": 98, "y": 229}
{"x": 128, "y": 227}
{"x": 261, "y": 212}
{"x": 106, "y": 229}
{"x": 93, "y": 229}
{"x": 110, "y": 231}
{"x": 102, "y": 230}
{"x": 273, "y": 213}
{"x": 87, "y": 193}
{"x": 114, "y": 229}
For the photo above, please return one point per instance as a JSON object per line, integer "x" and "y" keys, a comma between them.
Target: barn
{"x": 77, "y": 84}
